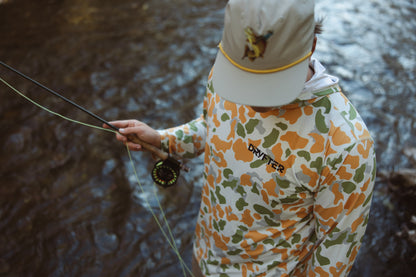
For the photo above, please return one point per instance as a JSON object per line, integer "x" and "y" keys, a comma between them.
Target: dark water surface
{"x": 69, "y": 202}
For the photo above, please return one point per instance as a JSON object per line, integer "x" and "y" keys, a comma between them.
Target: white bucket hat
{"x": 264, "y": 51}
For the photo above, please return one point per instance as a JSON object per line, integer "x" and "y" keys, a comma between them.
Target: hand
{"x": 138, "y": 128}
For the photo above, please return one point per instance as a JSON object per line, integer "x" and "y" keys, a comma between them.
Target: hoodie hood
{"x": 320, "y": 84}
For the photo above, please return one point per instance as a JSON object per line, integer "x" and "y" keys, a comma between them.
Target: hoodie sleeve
{"x": 187, "y": 140}
{"x": 341, "y": 210}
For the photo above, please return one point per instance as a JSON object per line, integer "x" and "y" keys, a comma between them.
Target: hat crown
{"x": 264, "y": 51}
{"x": 268, "y": 34}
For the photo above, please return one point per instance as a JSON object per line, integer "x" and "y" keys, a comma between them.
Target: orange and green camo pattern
{"x": 287, "y": 192}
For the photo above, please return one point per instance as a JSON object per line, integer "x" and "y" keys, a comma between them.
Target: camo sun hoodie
{"x": 287, "y": 192}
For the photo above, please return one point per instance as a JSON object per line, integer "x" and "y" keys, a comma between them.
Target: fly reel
{"x": 165, "y": 173}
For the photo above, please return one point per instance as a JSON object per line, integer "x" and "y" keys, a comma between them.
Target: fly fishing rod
{"x": 165, "y": 172}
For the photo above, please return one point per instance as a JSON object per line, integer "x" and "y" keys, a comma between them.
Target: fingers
{"x": 131, "y": 130}
{"x": 131, "y": 145}
{"x": 134, "y": 147}
{"x": 127, "y": 127}
{"x": 121, "y": 138}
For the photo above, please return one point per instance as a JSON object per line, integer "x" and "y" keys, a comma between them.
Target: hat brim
{"x": 258, "y": 90}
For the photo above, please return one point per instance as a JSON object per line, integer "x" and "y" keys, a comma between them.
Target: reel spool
{"x": 165, "y": 173}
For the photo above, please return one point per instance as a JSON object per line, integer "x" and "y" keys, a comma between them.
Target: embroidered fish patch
{"x": 256, "y": 45}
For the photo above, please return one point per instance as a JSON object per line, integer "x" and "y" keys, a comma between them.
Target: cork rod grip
{"x": 149, "y": 147}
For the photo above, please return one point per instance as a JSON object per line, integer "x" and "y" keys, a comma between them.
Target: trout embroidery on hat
{"x": 256, "y": 44}
{"x": 264, "y": 51}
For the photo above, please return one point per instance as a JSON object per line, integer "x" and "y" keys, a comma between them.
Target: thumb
{"x": 126, "y": 131}
{"x": 131, "y": 133}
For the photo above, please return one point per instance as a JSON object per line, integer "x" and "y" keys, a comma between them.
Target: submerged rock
{"x": 403, "y": 181}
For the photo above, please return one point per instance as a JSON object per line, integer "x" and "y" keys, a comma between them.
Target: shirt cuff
{"x": 164, "y": 140}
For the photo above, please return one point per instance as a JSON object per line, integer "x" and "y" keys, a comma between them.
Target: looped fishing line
{"x": 169, "y": 235}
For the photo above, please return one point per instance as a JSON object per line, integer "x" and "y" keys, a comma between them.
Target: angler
{"x": 302, "y": 221}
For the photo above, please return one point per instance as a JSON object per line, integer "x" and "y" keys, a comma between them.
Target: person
{"x": 289, "y": 164}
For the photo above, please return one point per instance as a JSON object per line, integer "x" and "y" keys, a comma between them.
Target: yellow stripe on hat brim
{"x": 263, "y": 71}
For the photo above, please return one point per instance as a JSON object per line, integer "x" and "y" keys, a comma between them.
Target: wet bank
{"x": 70, "y": 205}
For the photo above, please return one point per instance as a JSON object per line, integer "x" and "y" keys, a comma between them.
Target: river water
{"x": 69, "y": 201}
